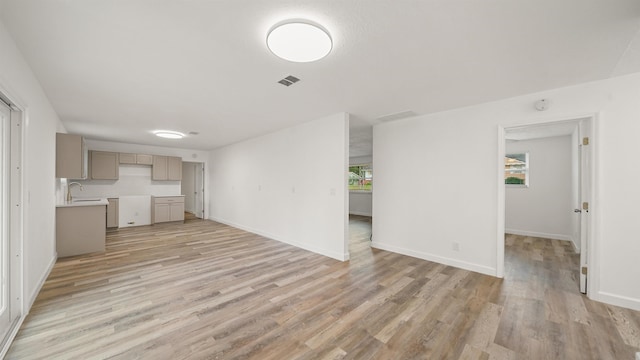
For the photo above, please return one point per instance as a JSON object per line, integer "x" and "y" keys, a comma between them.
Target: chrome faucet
{"x": 69, "y": 189}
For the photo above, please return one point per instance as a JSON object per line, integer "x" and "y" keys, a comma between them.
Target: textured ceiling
{"x": 117, "y": 70}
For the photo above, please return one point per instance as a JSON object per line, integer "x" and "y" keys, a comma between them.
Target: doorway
{"x": 360, "y": 187}
{"x": 580, "y": 130}
{"x": 11, "y": 269}
{"x": 192, "y": 187}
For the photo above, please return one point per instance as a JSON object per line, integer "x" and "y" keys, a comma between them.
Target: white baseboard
{"x": 435, "y": 258}
{"x": 575, "y": 248}
{"x": 317, "y": 250}
{"x": 26, "y": 308}
{"x": 32, "y": 298}
{"x": 538, "y": 234}
{"x": 617, "y": 300}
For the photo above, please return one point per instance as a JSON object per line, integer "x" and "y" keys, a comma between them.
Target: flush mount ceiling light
{"x": 167, "y": 134}
{"x": 299, "y": 41}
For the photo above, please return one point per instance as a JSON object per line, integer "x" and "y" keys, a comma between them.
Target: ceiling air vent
{"x": 289, "y": 80}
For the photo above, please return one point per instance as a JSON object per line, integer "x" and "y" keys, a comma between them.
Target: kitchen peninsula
{"x": 81, "y": 226}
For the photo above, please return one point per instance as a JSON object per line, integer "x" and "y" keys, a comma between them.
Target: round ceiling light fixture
{"x": 167, "y": 134}
{"x": 299, "y": 41}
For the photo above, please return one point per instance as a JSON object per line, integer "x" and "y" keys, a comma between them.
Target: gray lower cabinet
{"x": 112, "y": 213}
{"x": 80, "y": 230}
{"x": 167, "y": 208}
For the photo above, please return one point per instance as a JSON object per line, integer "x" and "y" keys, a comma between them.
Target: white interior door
{"x": 585, "y": 170}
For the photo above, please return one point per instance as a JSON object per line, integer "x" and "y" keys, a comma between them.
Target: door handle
{"x": 577, "y": 210}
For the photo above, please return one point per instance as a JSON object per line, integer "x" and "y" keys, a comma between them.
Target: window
{"x": 360, "y": 177}
{"x": 516, "y": 169}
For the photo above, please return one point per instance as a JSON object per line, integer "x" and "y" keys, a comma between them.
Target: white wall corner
{"x": 34, "y": 294}
{"x": 325, "y": 252}
{"x": 617, "y": 300}
{"x": 539, "y": 235}
{"x": 486, "y": 270}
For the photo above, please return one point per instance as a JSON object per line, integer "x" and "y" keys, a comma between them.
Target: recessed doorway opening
{"x": 573, "y": 139}
{"x": 192, "y": 187}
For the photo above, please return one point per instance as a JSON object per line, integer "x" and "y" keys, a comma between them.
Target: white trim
{"x": 19, "y": 220}
{"x": 18, "y": 324}
{"x": 538, "y": 234}
{"x": 15, "y": 327}
{"x": 501, "y": 203}
{"x": 573, "y": 245}
{"x": 617, "y": 300}
{"x": 43, "y": 279}
{"x": 593, "y": 243}
{"x": 593, "y": 222}
{"x": 317, "y": 250}
{"x": 436, "y": 258}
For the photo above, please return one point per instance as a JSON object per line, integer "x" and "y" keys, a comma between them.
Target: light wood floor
{"x": 203, "y": 290}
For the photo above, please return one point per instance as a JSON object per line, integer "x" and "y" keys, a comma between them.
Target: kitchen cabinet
{"x": 144, "y": 159}
{"x": 80, "y": 229}
{"x": 167, "y": 208}
{"x": 112, "y": 213}
{"x": 104, "y": 165}
{"x": 136, "y": 159}
{"x": 71, "y": 156}
{"x": 166, "y": 168}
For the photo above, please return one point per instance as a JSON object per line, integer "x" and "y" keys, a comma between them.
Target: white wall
{"x": 360, "y": 203}
{"x": 544, "y": 208}
{"x": 290, "y": 185}
{"x": 459, "y": 203}
{"x": 39, "y": 184}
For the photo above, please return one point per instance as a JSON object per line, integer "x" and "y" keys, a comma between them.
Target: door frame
{"x": 201, "y": 198}
{"x": 591, "y": 225}
{"x": 17, "y": 220}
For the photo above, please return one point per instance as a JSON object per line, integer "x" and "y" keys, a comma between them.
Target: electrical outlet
{"x": 455, "y": 246}
{"x": 638, "y": 356}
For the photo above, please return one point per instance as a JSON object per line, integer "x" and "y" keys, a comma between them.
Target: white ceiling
{"x": 116, "y": 70}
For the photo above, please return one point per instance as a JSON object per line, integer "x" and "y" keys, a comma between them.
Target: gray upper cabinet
{"x": 174, "y": 168}
{"x": 126, "y": 158}
{"x": 144, "y": 159}
{"x": 104, "y": 165}
{"x": 166, "y": 168}
{"x": 71, "y": 156}
{"x": 159, "y": 170}
{"x": 136, "y": 159}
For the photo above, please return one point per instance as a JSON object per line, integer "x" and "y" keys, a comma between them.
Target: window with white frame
{"x": 516, "y": 169}
{"x": 360, "y": 177}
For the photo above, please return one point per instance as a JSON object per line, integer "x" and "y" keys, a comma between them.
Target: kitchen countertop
{"x": 84, "y": 202}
